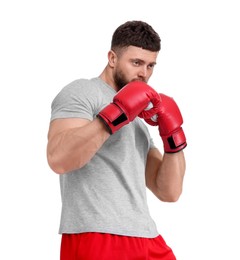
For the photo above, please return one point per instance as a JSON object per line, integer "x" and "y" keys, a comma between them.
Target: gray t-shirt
{"x": 108, "y": 194}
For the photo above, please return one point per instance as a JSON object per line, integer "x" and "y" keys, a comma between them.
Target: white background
{"x": 47, "y": 44}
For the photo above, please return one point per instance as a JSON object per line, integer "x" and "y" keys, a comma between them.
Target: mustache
{"x": 139, "y": 79}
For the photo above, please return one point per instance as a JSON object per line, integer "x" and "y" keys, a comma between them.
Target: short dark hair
{"x": 136, "y": 33}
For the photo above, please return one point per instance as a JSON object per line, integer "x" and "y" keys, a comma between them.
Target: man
{"x": 99, "y": 144}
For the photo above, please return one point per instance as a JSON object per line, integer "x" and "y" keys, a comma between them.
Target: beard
{"x": 121, "y": 80}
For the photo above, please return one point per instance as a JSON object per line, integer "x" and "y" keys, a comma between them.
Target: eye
{"x": 151, "y": 66}
{"x": 136, "y": 62}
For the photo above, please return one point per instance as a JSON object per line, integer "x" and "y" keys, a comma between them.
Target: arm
{"x": 164, "y": 174}
{"x": 72, "y": 142}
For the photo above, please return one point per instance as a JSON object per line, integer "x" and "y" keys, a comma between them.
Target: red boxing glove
{"x": 169, "y": 120}
{"x": 128, "y": 103}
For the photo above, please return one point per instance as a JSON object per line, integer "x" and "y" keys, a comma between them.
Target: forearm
{"x": 74, "y": 147}
{"x": 169, "y": 179}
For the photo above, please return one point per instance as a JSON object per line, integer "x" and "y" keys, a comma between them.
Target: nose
{"x": 143, "y": 72}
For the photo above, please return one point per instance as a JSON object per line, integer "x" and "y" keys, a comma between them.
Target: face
{"x": 133, "y": 64}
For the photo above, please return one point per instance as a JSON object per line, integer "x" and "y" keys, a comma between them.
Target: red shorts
{"x": 100, "y": 246}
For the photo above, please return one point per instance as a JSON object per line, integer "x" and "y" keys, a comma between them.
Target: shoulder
{"x": 80, "y": 85}
{"x": 77, "y": 89}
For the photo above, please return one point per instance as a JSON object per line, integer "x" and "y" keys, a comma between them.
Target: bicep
{"x": 58, "y": 126}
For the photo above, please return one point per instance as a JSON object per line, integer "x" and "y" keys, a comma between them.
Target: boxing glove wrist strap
{"x": 113, "y": 117}
{"x": 175, "y": 142}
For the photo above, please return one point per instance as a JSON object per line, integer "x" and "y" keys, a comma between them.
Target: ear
{"x": 112, "y": 58}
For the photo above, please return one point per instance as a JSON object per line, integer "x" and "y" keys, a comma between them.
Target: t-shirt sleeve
{"x": 152, "y": 144}
{"x": 74, "y": 101}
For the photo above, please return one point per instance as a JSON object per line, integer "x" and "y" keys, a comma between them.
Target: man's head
{"x": 138, "y": 34}
{"x": 134, "y": 49}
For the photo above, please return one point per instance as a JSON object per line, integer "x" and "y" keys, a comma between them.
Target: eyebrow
{"x": 142, "y": 61}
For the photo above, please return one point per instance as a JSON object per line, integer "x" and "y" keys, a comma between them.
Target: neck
{"x": 107, "y": 76}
